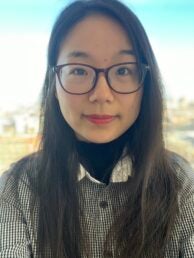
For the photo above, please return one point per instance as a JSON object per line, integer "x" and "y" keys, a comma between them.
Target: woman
{"x": 102, "y": 183}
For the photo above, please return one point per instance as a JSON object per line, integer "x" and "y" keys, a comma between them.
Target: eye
{"x": 123, "y": 71}
{"x": 78, "y": 71}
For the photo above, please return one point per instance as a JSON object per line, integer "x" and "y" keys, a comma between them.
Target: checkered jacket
{"x": 100, "y": 203}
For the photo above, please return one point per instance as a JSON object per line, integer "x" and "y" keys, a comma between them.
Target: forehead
{"x": 97, "y": 26}
{"x": 97, "y": 35}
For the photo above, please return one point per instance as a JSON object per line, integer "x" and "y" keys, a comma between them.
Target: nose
{"x": 101, "y": 92}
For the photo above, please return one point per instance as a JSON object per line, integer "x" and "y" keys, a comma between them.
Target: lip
{"x": 100, "y": 119}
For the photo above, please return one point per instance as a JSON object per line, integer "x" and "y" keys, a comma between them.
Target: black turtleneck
{"x": 100, "y": 159}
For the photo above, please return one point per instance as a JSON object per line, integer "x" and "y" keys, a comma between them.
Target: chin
{"x": 98, "y": 139}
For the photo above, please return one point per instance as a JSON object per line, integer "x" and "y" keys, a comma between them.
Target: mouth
{"x": 100, "y": 119}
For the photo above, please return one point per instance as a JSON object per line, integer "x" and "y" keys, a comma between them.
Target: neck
{"x": 99, "y": 159}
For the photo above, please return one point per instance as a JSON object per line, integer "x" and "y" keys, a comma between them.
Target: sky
{"x": 25, "y": 27}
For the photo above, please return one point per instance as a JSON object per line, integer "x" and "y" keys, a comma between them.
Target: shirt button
{"x": 103, "y": 204}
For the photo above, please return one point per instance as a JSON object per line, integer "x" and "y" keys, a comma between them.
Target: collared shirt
{"x": 100, "y": 204}
{"x": 121, "y": 172}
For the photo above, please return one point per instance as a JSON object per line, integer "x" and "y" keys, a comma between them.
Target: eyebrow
{"x": 82, "y": 54}
{"x": 127, "y": 52}
{"x": 78, "y": 54}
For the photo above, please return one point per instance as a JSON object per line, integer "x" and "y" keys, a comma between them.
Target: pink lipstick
{"x": 100, "y": 119}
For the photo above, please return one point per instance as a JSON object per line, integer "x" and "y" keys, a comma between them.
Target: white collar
{"x": 120, "y": 173}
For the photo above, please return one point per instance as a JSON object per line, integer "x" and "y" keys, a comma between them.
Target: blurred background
{"x": 25, "y": 26}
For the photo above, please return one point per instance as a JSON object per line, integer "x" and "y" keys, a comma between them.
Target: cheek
{"x": 70, "y": 106}
{"x": 133, "y": 103}
{"x": 132, "y": 106}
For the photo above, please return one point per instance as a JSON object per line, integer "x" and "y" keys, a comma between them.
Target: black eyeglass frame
{"x": 144, "y": 69}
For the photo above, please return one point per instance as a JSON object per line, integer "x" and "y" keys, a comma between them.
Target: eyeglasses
{"x": 123, "y": 78}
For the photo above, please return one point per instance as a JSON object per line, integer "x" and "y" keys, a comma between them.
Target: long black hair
{"x": 144, "y": 225}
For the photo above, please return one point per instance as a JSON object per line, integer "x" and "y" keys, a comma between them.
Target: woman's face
{"x": 101, "y": 115}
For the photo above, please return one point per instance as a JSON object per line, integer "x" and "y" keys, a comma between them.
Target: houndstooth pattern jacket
{"x": 100, "y": 203}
